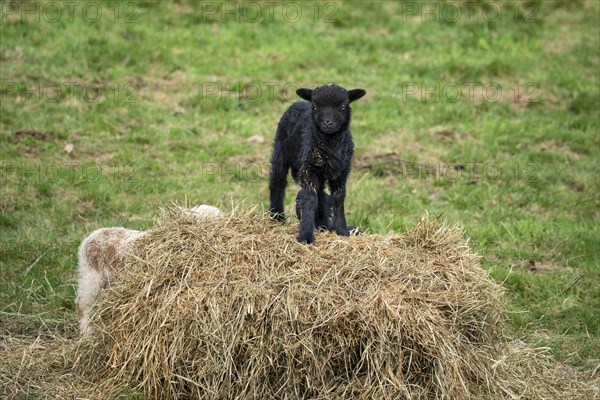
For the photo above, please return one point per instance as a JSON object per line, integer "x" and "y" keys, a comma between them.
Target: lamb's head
{"x": 331, "y": 106}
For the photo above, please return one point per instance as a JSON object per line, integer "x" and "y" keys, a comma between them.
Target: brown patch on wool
{"x": 102, "y": 250}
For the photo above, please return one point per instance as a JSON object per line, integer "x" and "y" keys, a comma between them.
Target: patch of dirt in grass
{"x": 168, "y": 91}
{"x": 542, "y": 266}
{"x": 519, "y": 96}
{"x": 255, "y": 166}
{"x": 102, "y": 158}
{"x": 408, "y": 153}
{"x": 183, "y": 7}
{"x": 577, "y": 185}
{"x": 44, "y": 136}
{"x": 379, "y": 31}
{"x": 407, "y": 145}
{"x": 410, "y": 148}
{"x": 540, "y": 211}
{"x": 569, "y": 34}
{"x": 449, "y": 136}
{"x": 563, "y": 43}
{"x": 557, "y": 147}
{"x": 273, "y": 57}
{"x": 528, "y": 209}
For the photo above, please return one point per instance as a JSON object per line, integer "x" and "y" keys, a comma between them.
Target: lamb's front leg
{"x": 323, "y": 209}
{"x": 337, "y": 198}
{"x": 307, "y": 202}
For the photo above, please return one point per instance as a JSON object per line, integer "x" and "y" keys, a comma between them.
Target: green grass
{"x": 527, "y": 196}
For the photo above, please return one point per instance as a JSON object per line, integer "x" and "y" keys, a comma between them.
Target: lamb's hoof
{"x": 275, "y": 216}
{"x": 322, "y": 228}
{"x": 342, "y": 231}
{"x": 307, "y": 238}
{"x": 354, "y": 231}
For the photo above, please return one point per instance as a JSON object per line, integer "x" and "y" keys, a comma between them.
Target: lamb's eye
{"x": 315, "y": 108}
{"x": 342, "y": 107}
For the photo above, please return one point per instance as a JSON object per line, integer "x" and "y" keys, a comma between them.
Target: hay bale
{"x": 236, "y": 308}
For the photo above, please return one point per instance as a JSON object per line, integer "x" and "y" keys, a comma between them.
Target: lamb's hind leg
{"x": 277, "y": 185}
{"x": 91, "y": 281}
{"x": 326, "y": 203}
{"x": 338, "y": 219}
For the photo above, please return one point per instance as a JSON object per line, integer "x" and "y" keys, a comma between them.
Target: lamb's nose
{"x": 328, "y": 122}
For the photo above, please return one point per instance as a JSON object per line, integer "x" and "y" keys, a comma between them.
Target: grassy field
{"x": 485, "y": 114}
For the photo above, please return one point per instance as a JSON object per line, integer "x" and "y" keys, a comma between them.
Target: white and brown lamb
{"x": 96, "y": 257}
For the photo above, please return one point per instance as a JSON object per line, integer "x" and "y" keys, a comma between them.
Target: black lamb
{"x": 313, "y": 140}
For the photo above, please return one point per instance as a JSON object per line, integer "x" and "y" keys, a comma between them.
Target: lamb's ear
{"x": 356, "y": 94}
{"x": 306, "y": 94}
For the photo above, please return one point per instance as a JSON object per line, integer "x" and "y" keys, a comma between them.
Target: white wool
{"x": 90, "y": 283}
{"x": 95, "y": 257}
{"x": 206, "y": 211}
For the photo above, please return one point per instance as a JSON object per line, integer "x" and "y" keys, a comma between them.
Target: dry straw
{"x": 236, "y": 308}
